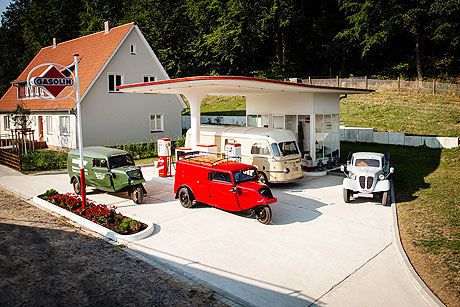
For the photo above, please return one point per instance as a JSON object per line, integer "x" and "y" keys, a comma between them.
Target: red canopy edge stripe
{"x": 238, "y": 78}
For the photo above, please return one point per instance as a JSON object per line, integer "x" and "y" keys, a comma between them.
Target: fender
{"x": 192, "y": 197}
{"x": 382, "y": 186}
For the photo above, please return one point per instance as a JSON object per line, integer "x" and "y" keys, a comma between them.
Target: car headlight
{"x": 381, "y": 176}
{"x": 286, "y": 170}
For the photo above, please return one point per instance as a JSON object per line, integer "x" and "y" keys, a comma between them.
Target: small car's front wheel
{"x": 76, "y": 185}
{"x": 346, "y": 195}
{"x": 385, "y": 198}
{"x": 137, "y": 195}
{"x": 185, "y": 198}
{"x": 264, "y": 214}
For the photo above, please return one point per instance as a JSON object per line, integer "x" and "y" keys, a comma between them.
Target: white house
{"x": 107, "y": 59}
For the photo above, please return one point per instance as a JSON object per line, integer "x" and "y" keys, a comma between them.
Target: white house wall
{"x": 120, "y": 118}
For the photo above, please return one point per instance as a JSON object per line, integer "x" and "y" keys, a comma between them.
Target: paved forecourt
{"x": 316, "y": 249}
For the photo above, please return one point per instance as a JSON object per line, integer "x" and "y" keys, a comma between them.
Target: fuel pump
{"x": 164, "y": 157}
{"x": 233, "y": 151}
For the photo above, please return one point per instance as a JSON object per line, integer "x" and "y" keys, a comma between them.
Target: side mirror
{"x": 342, "y": 168}
{"x": 138, "y": 167}
{"x": 392, "y": 170}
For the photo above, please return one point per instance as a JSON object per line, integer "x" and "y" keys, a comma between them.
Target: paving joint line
{"x": 352, "y": 273}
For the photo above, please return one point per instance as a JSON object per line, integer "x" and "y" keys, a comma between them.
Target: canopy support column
{"x": 194, "y": 99}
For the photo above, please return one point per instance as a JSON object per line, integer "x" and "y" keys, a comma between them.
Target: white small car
{"x": 368, "y": 172}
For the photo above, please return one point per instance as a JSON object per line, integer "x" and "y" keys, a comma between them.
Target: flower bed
{"x": 103, "y": 215}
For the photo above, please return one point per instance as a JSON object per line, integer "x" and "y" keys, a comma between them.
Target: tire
{"x": 137, "y": 195}
{"x": 185, "y": 198}
{"x": 76, "y": 185}
{"x": 346, "y": 195}
{"x": 385, "y": 198}
{"x": 264, "y": 214}
{"x": 262, "y": 177}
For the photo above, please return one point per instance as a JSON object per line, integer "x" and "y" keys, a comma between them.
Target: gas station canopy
{"x": 196, "y": 88}
{"x": 231, "y": 86}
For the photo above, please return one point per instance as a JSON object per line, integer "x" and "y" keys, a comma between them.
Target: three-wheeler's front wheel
{"x": 264, "y": 214}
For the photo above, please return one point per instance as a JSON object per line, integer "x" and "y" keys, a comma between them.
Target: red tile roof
{"x": 94, "y": 50}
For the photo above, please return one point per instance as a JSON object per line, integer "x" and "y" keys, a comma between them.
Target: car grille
{"x": 362, "y": 182}
{"x": 266, "y": 192}
{"x": 134, "y": 174}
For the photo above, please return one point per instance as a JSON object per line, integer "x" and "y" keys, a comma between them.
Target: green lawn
{"x": 403, "y": 112}
{"x": 427, "y": 187}
{"x": 384, "y": 111}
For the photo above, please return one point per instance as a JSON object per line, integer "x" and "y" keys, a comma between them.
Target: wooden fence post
{"x": 399, "y": 84}
{"x": 434, "y": 86}
{"x": 338, "y": 81}
{"x": 367, "y": 84}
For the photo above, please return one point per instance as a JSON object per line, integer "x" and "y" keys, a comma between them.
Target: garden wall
{"x": 368, "y": 135}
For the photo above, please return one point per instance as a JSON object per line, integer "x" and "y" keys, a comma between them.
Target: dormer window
{"x": 132, "y": 48}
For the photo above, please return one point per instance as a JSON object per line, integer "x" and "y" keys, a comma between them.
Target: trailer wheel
{"x": 185, "y": 198}
{"x": 385, "y": 198}
{"x": 76, "y": 185}
{"x": 346, "y": 195}
{"x": 137, "y": 195}
{"x": 262, "y": 178}
{"x": 264, "y": 214}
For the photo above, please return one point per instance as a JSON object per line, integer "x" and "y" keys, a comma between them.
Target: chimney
{"x": 107, "y": 26}
{"x": 56, "y": 41}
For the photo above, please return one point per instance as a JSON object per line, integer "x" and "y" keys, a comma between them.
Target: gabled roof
{"x": 94, "y": 51}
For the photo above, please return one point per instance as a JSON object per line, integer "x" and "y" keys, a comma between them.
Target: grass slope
{"x": 403, "y": 112}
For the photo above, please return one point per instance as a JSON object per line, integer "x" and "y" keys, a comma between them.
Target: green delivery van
{"x": 107, "y": 169}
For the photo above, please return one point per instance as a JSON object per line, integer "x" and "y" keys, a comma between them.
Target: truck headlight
{"x": 286, "y": 170}
{"x": 381, "y": 176}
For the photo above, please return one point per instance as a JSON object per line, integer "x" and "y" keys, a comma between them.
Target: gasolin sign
{"x": 53, "y": 81}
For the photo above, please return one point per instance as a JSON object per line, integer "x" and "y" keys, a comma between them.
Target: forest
{"x": 411, "y": 39}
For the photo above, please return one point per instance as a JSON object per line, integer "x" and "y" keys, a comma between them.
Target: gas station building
{"x": 311, "y": 112}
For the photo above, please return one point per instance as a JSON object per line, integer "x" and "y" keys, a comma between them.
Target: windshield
{"x": 121, "y": 160}
{"x": 245, "y": 175}
{"x": 367, "y": 162}
{"x": 289, "y": 148}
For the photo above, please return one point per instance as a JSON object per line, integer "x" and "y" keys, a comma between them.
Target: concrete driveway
{"x": 316, "y": 251}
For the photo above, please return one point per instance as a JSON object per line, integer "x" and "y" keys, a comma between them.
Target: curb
{"x": 98, "y": 228}
{"x": 418, "y": 284}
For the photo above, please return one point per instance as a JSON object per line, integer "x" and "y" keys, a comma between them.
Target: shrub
{"x": 50, "y": 193}
{"x": 42, "y": 160}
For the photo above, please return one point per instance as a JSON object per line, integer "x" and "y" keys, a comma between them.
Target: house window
{"x": 6, "y": 122}
{"x": 156, "y": 122}
{"x": 132, "y": 48}
{"x": 64, "y": 125}
{"x": 114, "y": 81}
{"x": 49, "y": 125}
{"x": 149, "y": 78}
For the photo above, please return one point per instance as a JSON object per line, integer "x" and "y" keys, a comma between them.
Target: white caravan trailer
{"x": 274, "y": 152}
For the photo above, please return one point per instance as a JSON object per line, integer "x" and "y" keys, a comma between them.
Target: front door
{"x": 40, "y": 129}
{"x": 220, "y": 192}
